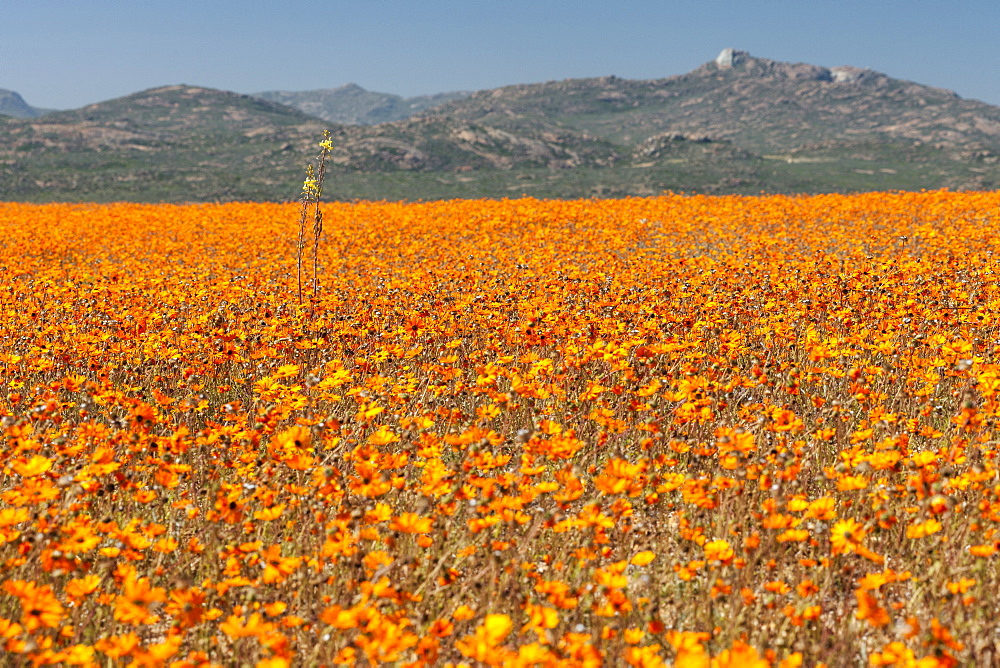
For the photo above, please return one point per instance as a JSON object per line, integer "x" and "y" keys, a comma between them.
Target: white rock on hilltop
{"x": 728, "y": 58}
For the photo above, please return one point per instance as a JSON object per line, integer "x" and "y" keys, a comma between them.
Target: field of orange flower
{"x": 682, "y": 431}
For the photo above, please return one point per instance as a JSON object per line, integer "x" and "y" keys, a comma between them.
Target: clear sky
{"x": 67, "y": 53}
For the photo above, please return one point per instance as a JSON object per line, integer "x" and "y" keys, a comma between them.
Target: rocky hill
{"x": 13, "y": 105}
{"x": 353, "y": 105}
{"x": 760, "y": 104}
{"x": 174, "y": 143}
{"x": 737, "y": 124}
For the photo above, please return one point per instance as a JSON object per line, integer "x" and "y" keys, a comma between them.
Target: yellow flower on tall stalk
{"x": 312, "y": 194}
{"x": 310, "y": 187}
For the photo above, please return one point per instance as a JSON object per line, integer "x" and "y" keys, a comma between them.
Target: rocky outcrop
{"x": 729, "y": 57}
{"x": 12, "y": 104}
{"x": 849, "y": 74}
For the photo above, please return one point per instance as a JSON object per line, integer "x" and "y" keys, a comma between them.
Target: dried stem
{"x": 312, "y": 194}
{"x": 318, "y": 220}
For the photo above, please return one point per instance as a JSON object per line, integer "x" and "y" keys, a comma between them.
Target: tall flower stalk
{"x": 312, "y": 195}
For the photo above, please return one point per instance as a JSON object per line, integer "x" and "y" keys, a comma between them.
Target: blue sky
{"x": 68, "y": 53}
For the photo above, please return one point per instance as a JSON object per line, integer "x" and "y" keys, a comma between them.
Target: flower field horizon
{"x": 686, "y": 430}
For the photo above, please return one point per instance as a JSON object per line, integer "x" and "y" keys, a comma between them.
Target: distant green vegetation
{"x": 758, "y": 126}
{"x": 99, "y": 178}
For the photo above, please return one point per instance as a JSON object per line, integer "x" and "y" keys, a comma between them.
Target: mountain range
{"x": 736, "y": 124}
{"x": 353, "y": 105}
